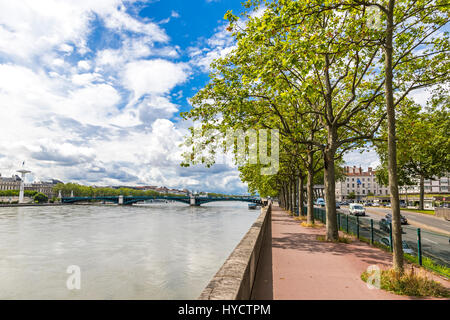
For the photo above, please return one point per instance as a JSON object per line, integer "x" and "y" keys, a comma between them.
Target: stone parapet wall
{"x": 234, "y": 280}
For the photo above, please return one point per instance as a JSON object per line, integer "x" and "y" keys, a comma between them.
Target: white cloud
{"x": 153, "y": 76}
{"x": 29, "y": 28}
{"x": 84, "y": 65}
{"x": 218, "y": 46}
{"x": 97, "y": 118}
{"x": 368, "y": 158}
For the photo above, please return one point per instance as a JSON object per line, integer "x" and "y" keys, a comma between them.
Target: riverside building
{"x": 360, "y": 184}
{"x": 364, "y": 187}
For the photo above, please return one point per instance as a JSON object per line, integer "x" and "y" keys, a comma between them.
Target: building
{"x": 360, "y": 184}
{"x": 437, "y": 185}
{"x": 436, "y": 192}
{"x": 43, "y": 187}
{"x": 12, "y": 183}
{"x": 364, "y": 186}
{"x": 178, "y": 192}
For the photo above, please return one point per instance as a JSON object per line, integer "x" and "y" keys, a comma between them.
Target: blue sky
{"x": 91, "y": 91}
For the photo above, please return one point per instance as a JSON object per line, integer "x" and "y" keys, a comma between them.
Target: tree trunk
{"x": 286, "y": 197}
{"x": 310, "y": 194}
{"x": 392, "y": 147}
{"x": 330, "y": 196}
{"x": 295, "y": 194}
{"x": 288, "y": 191}
{"x": 422, "y": 193}
{"x": 280, "y": 198}
{"x": 300, "y": 194}
{"x": 292, "y": 195}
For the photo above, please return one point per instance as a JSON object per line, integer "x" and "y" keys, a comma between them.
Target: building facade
{"x": 363, "y": 185}
{"x": 436, "y": 186}
{"x": 42, "y": 187}
{"x": 359, "y": 183}
{"x": 12, "y": 183}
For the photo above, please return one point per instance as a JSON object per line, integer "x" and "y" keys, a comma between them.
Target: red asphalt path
{"x": 303, "y": 267}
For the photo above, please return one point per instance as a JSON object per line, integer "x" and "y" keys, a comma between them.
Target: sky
{"x": 91, "y": 91}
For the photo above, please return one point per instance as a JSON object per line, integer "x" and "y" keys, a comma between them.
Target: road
{"x": 435, "y": 232}
{"x": 420, "y": 220}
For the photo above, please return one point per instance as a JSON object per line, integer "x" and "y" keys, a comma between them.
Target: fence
{"x": 428, "y": 249}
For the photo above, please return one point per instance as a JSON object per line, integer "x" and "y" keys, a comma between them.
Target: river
{"x": 154, "y": 251}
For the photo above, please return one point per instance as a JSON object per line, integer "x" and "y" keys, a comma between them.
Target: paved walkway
{"x": 297, "y": 266}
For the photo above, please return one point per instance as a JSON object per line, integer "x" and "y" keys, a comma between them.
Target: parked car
{"x": 320, "y": 202}
{"x": 344, "y": 203}
{"x": 402, "y": 218}
{"x": 368, "y": 204}
{"x": 406, "y": 248}
{"x": 338, "y": 206}
{"x": 357, "y": 209}
{"x": 403, "y": 205}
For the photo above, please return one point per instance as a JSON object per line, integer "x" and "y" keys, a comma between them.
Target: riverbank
{"x": 31, "y": 205}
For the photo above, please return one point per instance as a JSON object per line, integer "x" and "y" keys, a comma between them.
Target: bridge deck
{"x": 127, "y": 200}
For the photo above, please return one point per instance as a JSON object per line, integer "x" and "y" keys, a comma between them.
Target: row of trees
{"x": 38, "y": 197}
{"x": 330, "y": 76}
{"x": 15, "y": 193}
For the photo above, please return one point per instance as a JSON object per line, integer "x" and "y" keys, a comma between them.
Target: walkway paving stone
{"x": 303, "y": 267}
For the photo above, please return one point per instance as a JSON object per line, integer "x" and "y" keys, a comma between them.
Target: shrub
{"x": 409, "y": 283}
{"x": 40, "y": 198}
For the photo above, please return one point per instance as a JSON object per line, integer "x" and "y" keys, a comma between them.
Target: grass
{"x": 344, "y": 239}
{"x": 431, "y": 212}
{"x": 312, "y": 225}
{"x": 410, "y": 283}
{"x": 429, "y": 264}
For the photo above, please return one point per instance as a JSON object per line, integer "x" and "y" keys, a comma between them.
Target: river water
{"x": 155, "y": 251}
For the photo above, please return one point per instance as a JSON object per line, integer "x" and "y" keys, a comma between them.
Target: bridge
{"x": 129, "y": 200}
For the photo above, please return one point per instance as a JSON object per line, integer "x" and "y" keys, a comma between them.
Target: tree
{"x": 304, "y": 62}
{"x": 415, "y": 56}
{"x": 351, "y": 195}
{"x": 422, "y": 144}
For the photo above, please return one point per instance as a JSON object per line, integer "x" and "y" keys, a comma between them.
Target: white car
{"x": 356, "y": 209}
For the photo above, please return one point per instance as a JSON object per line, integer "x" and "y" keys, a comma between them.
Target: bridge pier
{"x": 193, "y": 202}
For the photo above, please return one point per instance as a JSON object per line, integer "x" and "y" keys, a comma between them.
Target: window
{"x": 353, "y": 185}
{"x": 364, "y": 191}
{"x": 364, "y": 179}
{"x": 364, "y": 185}
{"x": 348, "y": 185}
{"x": 380, "y": 191}
{"x": 353, "y": 179}
{"x": 386, "y": 191}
